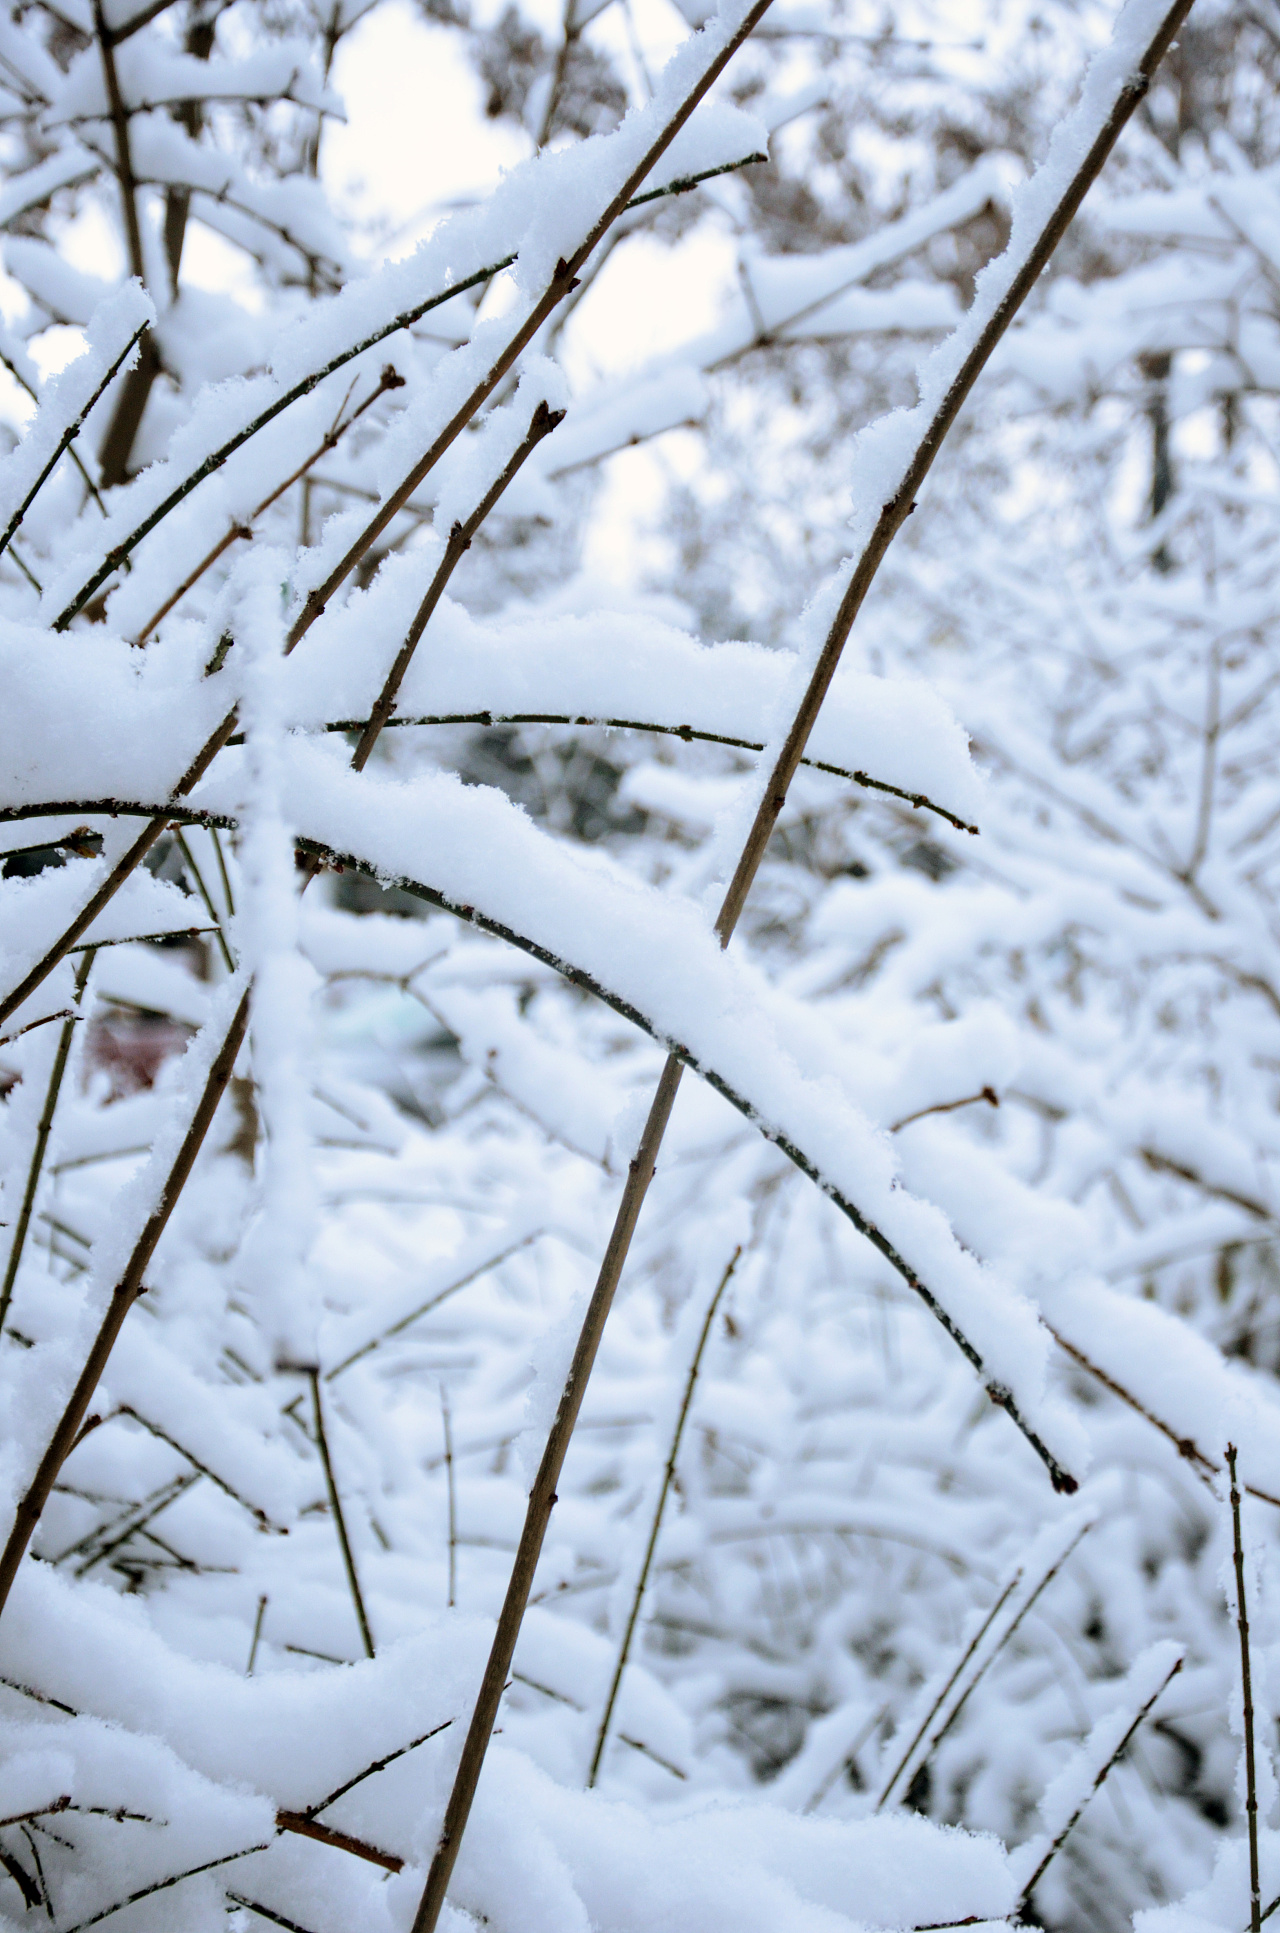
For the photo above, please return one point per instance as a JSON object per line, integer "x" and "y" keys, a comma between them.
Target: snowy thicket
{"x": 367, "y": 859}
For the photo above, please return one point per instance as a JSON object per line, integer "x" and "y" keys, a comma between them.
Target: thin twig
{"x": 1006, "y": 1636}
{"x": 40, "y": 1148}
{"x": 378, "y": 1765}
{"x": 257, "y": 1635}
{"x": 21, "y": 1878}
{"x": 65, "y": 440}
{"x": 259, "y": 1515}
{"x": 340, "y": 1522}
{"x": 948, "y": 1687}
{"x": 987, "y": 1094}
{"x": 561, "y": 283}
{"x": 541, "y": 424}
{"x": 309, "y": 1828}
{"x": 89, "y": 484}
{"x": 222, "y": 868}
{"x": 263, "y": 1912}
{"x": 689, "y": 733}
{"x": 189, "y": 858}
{"x": 125, "y": 1294}
{"x": 162, "y": 1885}
{"x": 668, "y": 1478}
{"x": 390, "y": 379}
{"x": 124, "y": 160}
{"x": 45, "y": 1020}
{"x": 425, "y": 1308}
{"x": 36, "y": 1861}
{"x": 451, "y": 1493}
{"x": 568, "y": 37}
{"x": 214, "y": 462}
{"x": 1052, "y": 1851}
{"x": 1246, "y": 1687}
{"x": 1204, "y": 1466}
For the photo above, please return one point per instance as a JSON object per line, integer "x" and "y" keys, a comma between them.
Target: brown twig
{"x": 668, "y": 1478}
{"x": 562, "y": 282}
{"x": 987, "y": 1094}
{"x": 568, "y": 37}
{"x": 949, "y": 1686}
{"x": 163, "y": 1885}
{"x": 446, "y": 1426}
{"x": 264, "y": 1913}
{"x": 64, "y": 443}
{"x": 425, "y": 1308}
{"x": 259, "y": 1515}
{"x": 214, "y": 462}
{"x": 125, "y": 1294}
{"x": 541, "y": 424}
{"x": 1006, "y": 1635}
{"x": 31, "y": 1893}
{"x": 378, "y": 1765}
{"x": 1204, "y": 1466}
{"x": 309, "y": 1828}
{"x": 893, "y": 514}
{"x": 190, "y": 860}
{"x": 340, "y": 1522}
{"x": 1246, "y": 1687}
{"x": 122, "y": 430}
{"x": 43, "y": 1131}
{"x": 1053, "y": 1850}
{"x": 390, "y": 379}
{"x": 257, "y": 1636}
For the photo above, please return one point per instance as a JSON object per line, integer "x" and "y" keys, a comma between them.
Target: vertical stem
{"x": 893, "y": 515}
{"x": 335, "y": 1504}
{"x": 1246, "y": 1682}
{"x": 668, "y": 1477}
{"x": 452, "y": 1493}
{"x": 117, "y": 444}
{"x": 568, "y": 37}
{"x": 542, "y": 1499}
{"x": 42, "y": 1142}
{"x": 222, "y": 868}
{"x": 120, "y": 128}
{"x": 205, "y": 895}
{"x": 257, "y": 1634}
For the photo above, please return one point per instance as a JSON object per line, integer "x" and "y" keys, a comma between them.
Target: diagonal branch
{"x": 563, "y": 280}
{"x": 209, "y": 465}
{"x": 668, "y": 1478}
{"x": 126, "y": 1292}
{"x": 390, "y": 379}
{"x": 66, "y": 439}
{"x": 1021, "y": 276}
{"x": 542, "y": 422}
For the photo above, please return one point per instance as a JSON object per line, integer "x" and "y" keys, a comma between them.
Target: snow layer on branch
{"x": 625, "y": 667}
{"x": 151, "y": 75}
{"x": 657, "y": 954}
{"x": 542, "y": 211}
{"x": 87, "y": 715}
{"x": 1175, "y": 1374}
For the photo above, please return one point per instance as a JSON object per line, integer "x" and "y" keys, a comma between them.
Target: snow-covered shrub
{"x": 288, "y": 1315}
